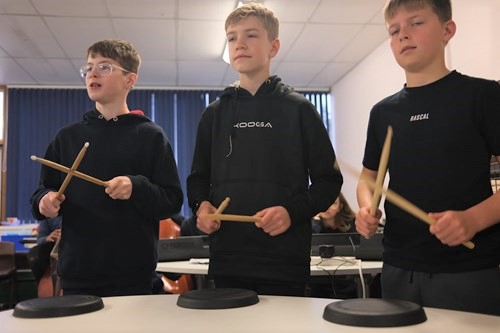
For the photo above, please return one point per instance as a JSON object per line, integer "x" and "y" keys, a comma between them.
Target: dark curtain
{"x": 322, "y": 102}
{"x": 35, "y": 116}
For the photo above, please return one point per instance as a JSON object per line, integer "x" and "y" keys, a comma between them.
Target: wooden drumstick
{"x": 230, "y": 217}
{"x": 62, "y": 168}
{"x": 75, "y": 165}
{"x": 222, "y": 206}
{"x": 382, "y": 169}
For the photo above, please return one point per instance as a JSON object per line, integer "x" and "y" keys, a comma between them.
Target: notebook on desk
{"x": 183, "y": 248}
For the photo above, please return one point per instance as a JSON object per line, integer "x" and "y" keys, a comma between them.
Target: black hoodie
{"x": 106, "y": 242}
{"x": 270, "y": 149}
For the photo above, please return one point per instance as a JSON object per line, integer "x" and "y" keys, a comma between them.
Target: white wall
{"x": 475, "y": 51}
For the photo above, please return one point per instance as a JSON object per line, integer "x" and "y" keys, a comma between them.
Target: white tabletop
{"x": 20, "y": 229}
{"x": 159, "y": 313}
{"x": 336, "y": 265}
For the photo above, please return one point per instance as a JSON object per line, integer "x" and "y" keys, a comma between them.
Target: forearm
{"x": 486, "y": 213}
{"x": 364, "y": 193}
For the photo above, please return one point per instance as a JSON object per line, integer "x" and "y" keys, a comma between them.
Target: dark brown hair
{"x": 119, "y": 50}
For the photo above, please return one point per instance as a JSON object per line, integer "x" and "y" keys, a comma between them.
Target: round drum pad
{"x": 59, "y": 306}
{"x": 217, "y": 298}
{"x": 374, "y": 312}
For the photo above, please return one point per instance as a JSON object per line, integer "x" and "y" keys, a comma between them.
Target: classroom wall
{"x": 475, "y": 51}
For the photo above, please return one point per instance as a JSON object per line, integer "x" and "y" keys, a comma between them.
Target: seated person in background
{"x": 49, "y": 231}
{"x": 339, "y": 217}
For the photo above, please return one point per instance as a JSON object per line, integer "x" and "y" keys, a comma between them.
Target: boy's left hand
{"x": 452, "y": 227}
{"x": 274, "y": 220}
{"x": 119, "y": 188}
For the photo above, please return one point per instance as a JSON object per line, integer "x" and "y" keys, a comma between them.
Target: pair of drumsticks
{"x": 70, "y": 171}
{"x": 378, "y": 189}
{"x": 229, "y": 217}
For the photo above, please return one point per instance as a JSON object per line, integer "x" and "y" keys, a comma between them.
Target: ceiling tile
{"x": 206, "y": 10}
{"x": 154, "y": 39}
{"x": 200, "y": 40}
{"x": 298, "y": 74}
{"x": 213, "y": 73}
{"x": 27, "y": 36}
{"x": 87, "y": 8}
{"x": 12, "y": 73}
{"x": 292, "y": 10}
{"x": 331, "y": 73}
{"x": 51, "y": 71}
{"x": 75, "y": 35}
{"x": 366, "y": 40}
{"x": 159, "y": 9}
{"x": 16, "y": 7}
{"x": 321, "y": 42}
{"x": 336, "y": 11}
{"x": 288, "y": 34}
{"x": 158, "y": 74}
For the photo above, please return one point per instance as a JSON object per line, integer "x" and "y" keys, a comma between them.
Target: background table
{"x": 327, "y": 267}
{"x": 159, "y": 313}
{"x": 334, "y": 266}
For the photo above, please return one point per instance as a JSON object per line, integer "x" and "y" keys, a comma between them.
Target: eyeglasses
{"x": 104, "y": 69}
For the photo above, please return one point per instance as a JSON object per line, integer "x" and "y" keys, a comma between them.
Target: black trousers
{"x": 474, "y": 291}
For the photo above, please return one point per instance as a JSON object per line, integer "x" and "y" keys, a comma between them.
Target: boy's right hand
{"x": 205, "y": 224}
{"x": 50, "y": 204}
{"x": 366, "y": 224}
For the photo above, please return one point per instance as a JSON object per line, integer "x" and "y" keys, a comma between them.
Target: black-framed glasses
{"x": 103, "y": 69}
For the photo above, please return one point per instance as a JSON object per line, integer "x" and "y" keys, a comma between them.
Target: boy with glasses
{"x": 108, "y": 245}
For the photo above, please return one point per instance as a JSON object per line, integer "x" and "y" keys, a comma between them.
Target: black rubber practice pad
{"x": 217, "y": 298}
{"x": 374, "y": 312}
{"x": 58, "y": 306}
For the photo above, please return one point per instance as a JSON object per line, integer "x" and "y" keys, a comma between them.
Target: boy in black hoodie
{"x": 109, "y": 236}
{"x": 264, "y": 146}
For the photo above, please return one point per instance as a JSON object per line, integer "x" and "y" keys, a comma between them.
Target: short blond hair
{"x": 442, "y": 8}
{"x": 262, "y": 13}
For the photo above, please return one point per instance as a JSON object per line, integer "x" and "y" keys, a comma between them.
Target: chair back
{"x": 7, "y": 259}
{"x": 8, "y": 269}
{"x": 170, "y": 229}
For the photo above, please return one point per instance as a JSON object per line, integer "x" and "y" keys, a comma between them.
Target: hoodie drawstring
{"x": 235, "y": 115}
